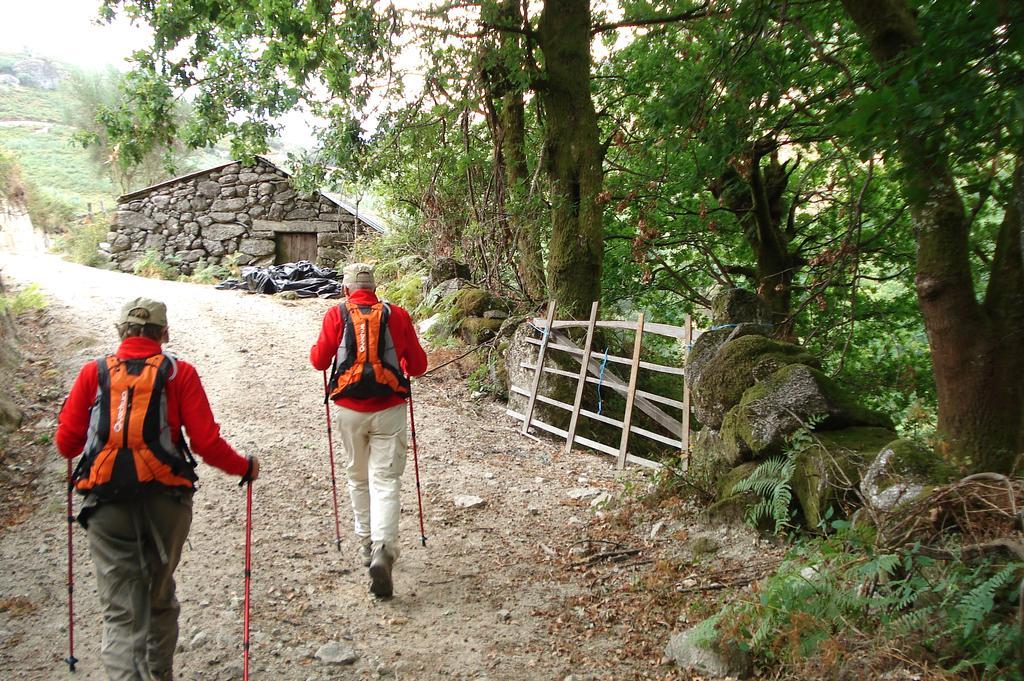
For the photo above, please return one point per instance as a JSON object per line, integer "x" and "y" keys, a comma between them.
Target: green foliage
{"x": 208, "y": 273}
{"x": 772, "y": 481}
{"x": 82, "y": 240}
{"x": 406, "y": 290}
{"x": 48, "y": 212}
{"x": 152, "y": 265}
{"x": 32, "y": 104}
{"x": 57, "y": 167}
{"x": 12, "y": 187}
{"x": 829, "y": 595}
{"x": 28, "y": 298}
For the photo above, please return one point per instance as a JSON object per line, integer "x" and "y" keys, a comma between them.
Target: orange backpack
{"x": 366, "y": 364}
{"x": 129, "y": 450}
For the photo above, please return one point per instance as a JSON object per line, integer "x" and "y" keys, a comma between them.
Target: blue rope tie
{"x": 600, "y": 381}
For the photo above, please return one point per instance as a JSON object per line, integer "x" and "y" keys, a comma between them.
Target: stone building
{"x": 246, "y": 215}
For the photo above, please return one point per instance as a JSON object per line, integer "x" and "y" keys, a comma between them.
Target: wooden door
{"x": 293, "y": 247}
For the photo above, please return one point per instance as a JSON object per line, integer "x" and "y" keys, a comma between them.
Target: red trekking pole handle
{"x": 415, "y": 460}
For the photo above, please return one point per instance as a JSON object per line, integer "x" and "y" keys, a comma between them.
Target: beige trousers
{"x": 375, "y": 444}
{"x": 135, "y": 547}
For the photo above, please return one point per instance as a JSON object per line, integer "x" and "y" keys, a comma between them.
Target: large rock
{"x": 736, "y": 306}
{"x": 772, "y": 410}
{"x": 37, "y": 73}
{"x": 443, "y": 291}
{"x": 444, "y": 269}
{"x": 476, "y": 330}
{"x": 707, "y": 345}
{"x": 208, "y": 189}
{"x": 220, "y": 232}
{"x": 473, "y": 302}
{"x": 257, "y": 246}
{"x": 127, "y": 219}
{"x": 228, "y": 204}
{"x": 336, "y": 653}
{"x": 734, "y": 368}
{"x": 688, "y": 651}
{"x": 901, "y": 471}
{"x": 827, "y": 472}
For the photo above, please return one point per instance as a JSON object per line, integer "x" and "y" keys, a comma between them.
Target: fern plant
{"x": 772, "y": 480}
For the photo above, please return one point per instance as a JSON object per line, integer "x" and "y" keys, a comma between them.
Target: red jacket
{"x": 187, "y": 406}
{"x": 407, "y": 347}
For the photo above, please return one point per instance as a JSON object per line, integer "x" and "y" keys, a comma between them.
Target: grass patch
{"x": 32, "y": 104}
{"x": 28, "y": 298}
{"x": 81, "y": 241}
{"x": 58, "y": 168}
{"x": 153, "y": 266}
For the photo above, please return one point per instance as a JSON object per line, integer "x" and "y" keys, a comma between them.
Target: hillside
{"x": 33, "y": 127}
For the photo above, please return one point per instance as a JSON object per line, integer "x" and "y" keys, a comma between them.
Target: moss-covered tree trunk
{"x": 977, "y": 346}
{"x": 573, "y": 154}
{"x": 505, "y": 83}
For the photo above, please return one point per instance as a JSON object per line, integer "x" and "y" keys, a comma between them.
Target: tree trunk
{"x": 757, "y": 202}
{"x": 504, "y": 81}
{"x": 977, "y": 348}
{"x": 574, "y": 156}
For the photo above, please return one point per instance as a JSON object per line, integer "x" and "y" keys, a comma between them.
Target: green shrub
{"x": 837, "y": 595}
{"x": 12, "y": 186}
{"x": 29, "y": 298}
{"x": 153, "y": 266}
{"x": 49, "y": 213}
{"x": 81, "y": 242}
{"x": 208, "y": 273}
{"x": 406, "y": 291}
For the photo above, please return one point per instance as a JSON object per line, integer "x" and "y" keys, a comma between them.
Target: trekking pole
{"x": 248, "y": 579}
{"x": 330, "y": 449}
{"x": 71, "y": 659}
{"x": 416, "y": 465}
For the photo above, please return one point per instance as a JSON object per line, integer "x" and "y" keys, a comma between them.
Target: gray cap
{"x": 143, "y": 311}
{"x": 358, "y": 273}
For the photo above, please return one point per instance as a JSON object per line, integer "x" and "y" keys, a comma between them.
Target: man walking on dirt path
{"x": 125, "y": 415}
{"x": 367, "y": 343}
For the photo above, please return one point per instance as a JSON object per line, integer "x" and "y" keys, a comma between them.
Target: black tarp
{"x": 303, "y": 277}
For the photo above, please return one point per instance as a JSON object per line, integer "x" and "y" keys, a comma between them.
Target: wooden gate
{"x": 593, "y": 369}
{"x": 295, "y": 246}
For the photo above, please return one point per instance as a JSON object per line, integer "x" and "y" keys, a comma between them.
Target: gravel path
{"x": 466, "y": 606}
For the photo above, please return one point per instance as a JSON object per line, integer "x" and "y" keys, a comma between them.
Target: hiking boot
{"x": 380, "y": 572}
{"x": 365, "y": 551}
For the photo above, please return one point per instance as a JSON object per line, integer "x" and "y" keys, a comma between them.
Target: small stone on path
{"x": 582, "y": 492}
{"x": 336, "y": 653}
{"x": 469, "y": 501}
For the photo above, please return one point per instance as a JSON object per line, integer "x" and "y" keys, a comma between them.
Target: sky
{"x": 67, "y": 30}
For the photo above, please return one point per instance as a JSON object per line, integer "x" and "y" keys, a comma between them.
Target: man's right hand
{"x": 254, "y": 470}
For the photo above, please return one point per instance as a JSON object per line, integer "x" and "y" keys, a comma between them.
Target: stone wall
{"x": 230, "y": 214}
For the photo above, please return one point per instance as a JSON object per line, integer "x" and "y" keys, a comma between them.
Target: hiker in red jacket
{"x": 367, "y": 343}
{"x": 125, "y": 415}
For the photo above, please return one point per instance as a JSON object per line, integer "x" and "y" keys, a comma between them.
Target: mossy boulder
{"x": 724, "y": 485}
{"x": 828, "y": 472}
{"x": 737, "y": 366}
{"x": 730, "y": 510}
{"x": 444, "y": 269}
{"x": 474, "y": 330}
{"x": 708, "y": 460}
{"x": 775, "y": 408}
{"x": 737, "y": 305}
{"x": 901, "y": 471}
{"x": 707, "y": 345}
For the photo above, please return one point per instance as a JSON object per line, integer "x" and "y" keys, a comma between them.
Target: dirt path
{"x": 469, "y": 606}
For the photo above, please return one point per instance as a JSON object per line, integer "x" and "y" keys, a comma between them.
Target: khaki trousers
{"x": 136, "y": 545}
{"x": 375, "y": 444}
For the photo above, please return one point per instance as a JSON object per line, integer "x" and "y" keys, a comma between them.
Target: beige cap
{"x": 143, "y": 311}
{"x": 358, "y": 273}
